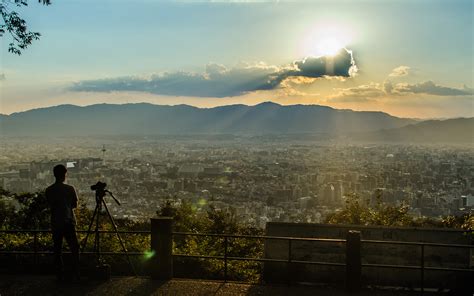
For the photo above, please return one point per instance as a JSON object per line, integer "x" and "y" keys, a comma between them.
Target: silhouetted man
{"x": 62, "y": 199}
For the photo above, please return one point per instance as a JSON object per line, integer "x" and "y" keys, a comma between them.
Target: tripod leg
{"x": 97, "y": 234}
{"x": 84, "y": 241}
{"x": 119, "y": 238}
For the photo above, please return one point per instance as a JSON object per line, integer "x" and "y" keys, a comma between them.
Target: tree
{"x": 359, "y": 212}
{"x": 16, "y": 26}
{"x": 187, "y": 218}
{"x": 7, "y": 214}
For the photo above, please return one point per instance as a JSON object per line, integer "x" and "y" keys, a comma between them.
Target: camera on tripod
{"x": 99, "y": 189}
{"x": 100, "y": 193}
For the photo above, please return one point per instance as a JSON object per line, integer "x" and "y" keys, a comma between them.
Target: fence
{"x": 161, "y": 262}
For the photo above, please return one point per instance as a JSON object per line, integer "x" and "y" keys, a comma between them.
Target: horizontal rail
{"x": 418, "y": 267}
{"x": 319, "y": 263}
{"x": 145, "y": 232}
{"x": 449, "y": 269}
{"x": 393, "y": 266}
{"x": 78, "y": 231}
{"x": 417, "y": 244}
{"x": 229, "y": 258}
{"x": 328, "y": 240}
{"x": 82, "y": 253}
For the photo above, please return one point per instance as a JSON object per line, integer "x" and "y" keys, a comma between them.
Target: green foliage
{"x": 465, "y": 222}
{"x": 7, "y": 214}
{"x": 359, "y": 212}
{"x": 189, "y": 218}
{"x": 186, "y": 217}
{"x": 33, "y": 214}
{"x": 16, "y": 26}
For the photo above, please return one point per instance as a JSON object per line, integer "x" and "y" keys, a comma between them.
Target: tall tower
{"x": 103, "y": 154}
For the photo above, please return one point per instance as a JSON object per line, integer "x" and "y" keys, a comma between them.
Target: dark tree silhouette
{"x": 16, "y": 26}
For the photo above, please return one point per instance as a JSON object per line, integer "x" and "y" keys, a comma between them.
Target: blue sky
{"x": 413, "y": 58}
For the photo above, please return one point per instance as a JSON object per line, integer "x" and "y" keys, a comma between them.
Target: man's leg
{"x": 57, "y": 249}
{"x": 71, "y": 238}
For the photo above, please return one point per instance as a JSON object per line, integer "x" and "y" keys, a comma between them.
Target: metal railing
{"x": 289, "y": 260}
{"x": 422, "y": 266}
{"x": 227, "y": 258}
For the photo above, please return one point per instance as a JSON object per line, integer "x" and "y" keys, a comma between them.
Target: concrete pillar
{"x": 353, "y": 261}
{"x": 161, "y": 246}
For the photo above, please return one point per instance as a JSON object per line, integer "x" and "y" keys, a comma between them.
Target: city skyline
{"x": 360, "y": 55}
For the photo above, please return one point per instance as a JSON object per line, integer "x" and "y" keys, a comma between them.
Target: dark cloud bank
{"x": 219, "y": 81}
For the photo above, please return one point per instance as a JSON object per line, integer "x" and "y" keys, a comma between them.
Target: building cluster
{"x": 262, "y": 180}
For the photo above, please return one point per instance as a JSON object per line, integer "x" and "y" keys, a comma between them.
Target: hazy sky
{"x": 407, "y": 58}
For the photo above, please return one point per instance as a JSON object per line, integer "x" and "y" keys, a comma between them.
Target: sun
{"x": 329, "y": 46}
{"x": 326, "y": 39}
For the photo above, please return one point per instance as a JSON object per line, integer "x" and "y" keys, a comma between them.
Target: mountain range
{"x": 262, "y": 119}
{"x": 148, "y": 119}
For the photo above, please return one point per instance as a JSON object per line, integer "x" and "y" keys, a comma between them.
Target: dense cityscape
{"x": 260, "y": 179}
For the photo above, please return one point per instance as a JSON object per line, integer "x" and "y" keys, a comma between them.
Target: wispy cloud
{"x": 400, "y": 71}
{"x": 359, "y": 93}
{"x": 220, "y": 81}
{"x": 374, "y": 90}
{"x": 429, "y": 87}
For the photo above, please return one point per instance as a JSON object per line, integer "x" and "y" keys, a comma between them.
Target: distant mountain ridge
{"x": 457, "y": 130}
{"x": 149, "y": 119}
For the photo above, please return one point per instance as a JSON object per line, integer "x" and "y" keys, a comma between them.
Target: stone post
{"x": 161, "y": 248}
{"x": 353, "y": 261}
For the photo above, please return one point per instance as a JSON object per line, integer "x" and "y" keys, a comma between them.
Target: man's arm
{"x": 74, "y": 198}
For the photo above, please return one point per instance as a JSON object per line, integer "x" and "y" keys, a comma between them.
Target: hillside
{"x": 458, "y": 130}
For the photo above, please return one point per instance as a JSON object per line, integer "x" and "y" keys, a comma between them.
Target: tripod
{"x": 100, "y": 193}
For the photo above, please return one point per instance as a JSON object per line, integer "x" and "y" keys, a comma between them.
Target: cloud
{"x": 299, "y": 80}
{"x": 2, "y": 77}
{"x": 387, "y": 87}
{"x": 400, "y": 71}
{"x": 388, "y": 93}
{"x": 374, "y": 90}
{"x": 342, "y": 65}
{"x": 429, "y": 87}
{"x": 361, "y": 92}
{"x": 220, "y": 81}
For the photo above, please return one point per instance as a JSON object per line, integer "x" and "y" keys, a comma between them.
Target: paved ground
{"x": 118, "y": 286}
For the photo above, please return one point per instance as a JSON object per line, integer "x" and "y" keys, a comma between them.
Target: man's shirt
{"x": 62, "y": 198}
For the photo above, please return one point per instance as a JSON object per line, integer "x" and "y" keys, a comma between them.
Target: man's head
{"x": 60, "y": 172}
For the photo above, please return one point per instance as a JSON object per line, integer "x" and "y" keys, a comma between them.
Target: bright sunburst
{"x": 326, "y": 40}
{"x": 329, "y": 47}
